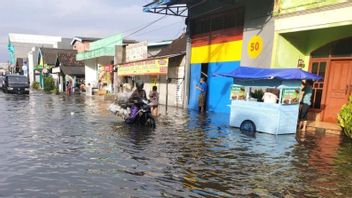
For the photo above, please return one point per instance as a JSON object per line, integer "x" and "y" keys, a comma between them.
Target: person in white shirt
{"x": 269, "y": 97}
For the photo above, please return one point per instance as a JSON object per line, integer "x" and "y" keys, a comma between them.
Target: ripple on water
{"x": 71, "y": 146}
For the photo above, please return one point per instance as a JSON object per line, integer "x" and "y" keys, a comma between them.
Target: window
{"x": 319, "y": 69}
{"x": 230, "y": 19}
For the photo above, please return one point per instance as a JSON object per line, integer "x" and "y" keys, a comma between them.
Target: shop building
{"x": 317, "y": 36}
{"x": 218, "y": 33}
{"x": 165, "y": 69}
{"x": 98, "y": 57}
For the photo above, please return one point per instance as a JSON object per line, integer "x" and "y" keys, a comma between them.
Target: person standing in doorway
{"x": 202, "y": 87}
{"x": 305, "y": 104}
{"x": 69, "y": 88}
{"x": 154, "y": 100}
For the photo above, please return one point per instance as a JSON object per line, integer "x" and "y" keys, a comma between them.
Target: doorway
{"x": 333, "y": 62}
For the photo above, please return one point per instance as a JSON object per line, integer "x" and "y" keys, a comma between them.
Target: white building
{"x": 26, "y": 49}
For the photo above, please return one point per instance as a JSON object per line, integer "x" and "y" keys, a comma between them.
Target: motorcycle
{"x": 137, "y": 112}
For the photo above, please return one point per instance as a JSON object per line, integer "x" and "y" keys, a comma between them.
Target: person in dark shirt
{"x": 139, "y": 93}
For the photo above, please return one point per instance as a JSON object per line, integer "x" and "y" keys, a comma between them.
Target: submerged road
{"x": 58, "y": 146}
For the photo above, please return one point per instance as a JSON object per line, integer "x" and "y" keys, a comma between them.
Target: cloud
{"x": 68, "y": 18}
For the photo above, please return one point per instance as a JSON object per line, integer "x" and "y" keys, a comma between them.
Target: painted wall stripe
{"x": 223, "y": 52}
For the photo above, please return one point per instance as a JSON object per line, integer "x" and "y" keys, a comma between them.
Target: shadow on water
{"x": 73, "y": 147}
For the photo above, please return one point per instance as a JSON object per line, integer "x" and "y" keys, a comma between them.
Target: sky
{"x": 91, "y": 18}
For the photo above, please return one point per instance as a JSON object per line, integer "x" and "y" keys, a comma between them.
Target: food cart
{"x": 274, "y": 116}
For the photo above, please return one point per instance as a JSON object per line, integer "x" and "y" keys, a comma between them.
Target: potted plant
{"x": 345, "y": 117}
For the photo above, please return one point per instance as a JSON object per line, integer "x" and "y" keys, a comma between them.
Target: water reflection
{"x": 71, "y": 146}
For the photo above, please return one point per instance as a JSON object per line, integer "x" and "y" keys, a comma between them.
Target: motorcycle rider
{"x": 139, "y": 93}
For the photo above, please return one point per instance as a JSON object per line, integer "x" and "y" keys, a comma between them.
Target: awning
{"x": 254, "y": 73}
{"x": 167, "y": 7}
{"x": 72, "y": 70}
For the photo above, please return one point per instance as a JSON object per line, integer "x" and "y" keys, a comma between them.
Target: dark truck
{"x": 16, "y": 84}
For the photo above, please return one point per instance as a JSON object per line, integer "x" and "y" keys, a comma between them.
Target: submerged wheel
{"x": 150, "y": 122}
{"x": 248, "y": 126}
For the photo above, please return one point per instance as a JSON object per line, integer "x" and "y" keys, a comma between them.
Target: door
{"x": 339, "y": 88}
{"x": 193, "y": 93}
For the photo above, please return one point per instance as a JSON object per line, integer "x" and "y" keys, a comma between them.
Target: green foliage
{"x": 345, "y": 118}
{"x": 49, "y": 84}
{"x": 35, "y": 85}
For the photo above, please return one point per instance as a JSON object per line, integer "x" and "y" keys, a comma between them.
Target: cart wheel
{"x": 248, "y": 126}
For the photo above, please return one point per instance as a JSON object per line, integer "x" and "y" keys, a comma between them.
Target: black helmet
{"x": 139, "y": 85}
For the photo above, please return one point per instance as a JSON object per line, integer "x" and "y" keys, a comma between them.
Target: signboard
{"x": 56, "y": 70}
{"x": 137, "y": 51}
{"x": 255, "y": 46}
{"x": 147, "y": 67}
{"x": 290, "y": 96}
{"x": 154, "y": 81}
{"x": 238, "y": 93}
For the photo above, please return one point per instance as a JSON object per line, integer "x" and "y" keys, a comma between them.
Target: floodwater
{"x": 58, "y": 146}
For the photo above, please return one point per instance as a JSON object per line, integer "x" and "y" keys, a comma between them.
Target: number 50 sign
{"x": 255, "y": 46}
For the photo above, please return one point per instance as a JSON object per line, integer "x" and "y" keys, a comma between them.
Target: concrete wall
{"x": 297, "y": 36}
{"x": 290, "y": 6}
{"x": 91, "y": 72}
{"x": 32, "y": 62}
{"x": 258, "y": 21}
{"x": 81, "y": 47}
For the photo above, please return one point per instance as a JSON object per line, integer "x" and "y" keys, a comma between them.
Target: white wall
{"x": 316, "y": 20}
{"x": 91, "y": 72}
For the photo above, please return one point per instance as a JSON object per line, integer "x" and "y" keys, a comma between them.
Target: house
{"x": 62, "y": 65}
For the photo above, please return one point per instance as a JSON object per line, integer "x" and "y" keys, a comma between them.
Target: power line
{"x": 158, "y": 28}
{"x": 144, "y": 27}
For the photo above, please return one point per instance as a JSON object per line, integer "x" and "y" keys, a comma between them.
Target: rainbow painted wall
{"x": 221, "y": 51}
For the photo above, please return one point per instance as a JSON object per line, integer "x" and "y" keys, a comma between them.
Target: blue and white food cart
{"x": 278, "y": 117}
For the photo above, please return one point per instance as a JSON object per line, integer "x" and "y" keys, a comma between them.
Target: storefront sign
{"x": 154, "y": 81}
{"x": 108, "y": 68}
{"x": 238, "y": 93}
{"x": 138, "y": 51}
{"x": 147, "y": 67}
{"x": 255, "y": 46}
{"x": 56, "y": 70}
{"x": 290, "y": 95}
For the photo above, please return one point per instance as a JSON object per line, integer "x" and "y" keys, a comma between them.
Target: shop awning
{"x": 167, "y": 7}
{"x": 72, "y": 70}
{"x": 269, "y": 73}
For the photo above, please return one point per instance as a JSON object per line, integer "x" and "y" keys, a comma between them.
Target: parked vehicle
{"x": 2, "y": 78}
{"x": 138, "y": 112}
{"x": 16, "y": 84}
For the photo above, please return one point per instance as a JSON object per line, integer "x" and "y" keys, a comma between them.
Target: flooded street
{"x": 58, "y": 146}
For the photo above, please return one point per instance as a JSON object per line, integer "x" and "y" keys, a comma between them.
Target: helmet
{"x": 139, "y": 85}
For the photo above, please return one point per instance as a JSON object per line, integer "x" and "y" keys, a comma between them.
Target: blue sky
{"x": 94, "y": 18}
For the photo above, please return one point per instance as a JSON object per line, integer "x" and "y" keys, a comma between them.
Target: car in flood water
{"x": 16, "y": 84}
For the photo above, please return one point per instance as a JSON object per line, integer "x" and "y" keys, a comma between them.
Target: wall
{"x": 32, "y": 62}
{"x": 290, "y": 6}
{"x": 258, "y": 22}
{"x": 294, "y": 45}
{"x": 81, "y": 47}
{"x": 90, "y": 72}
